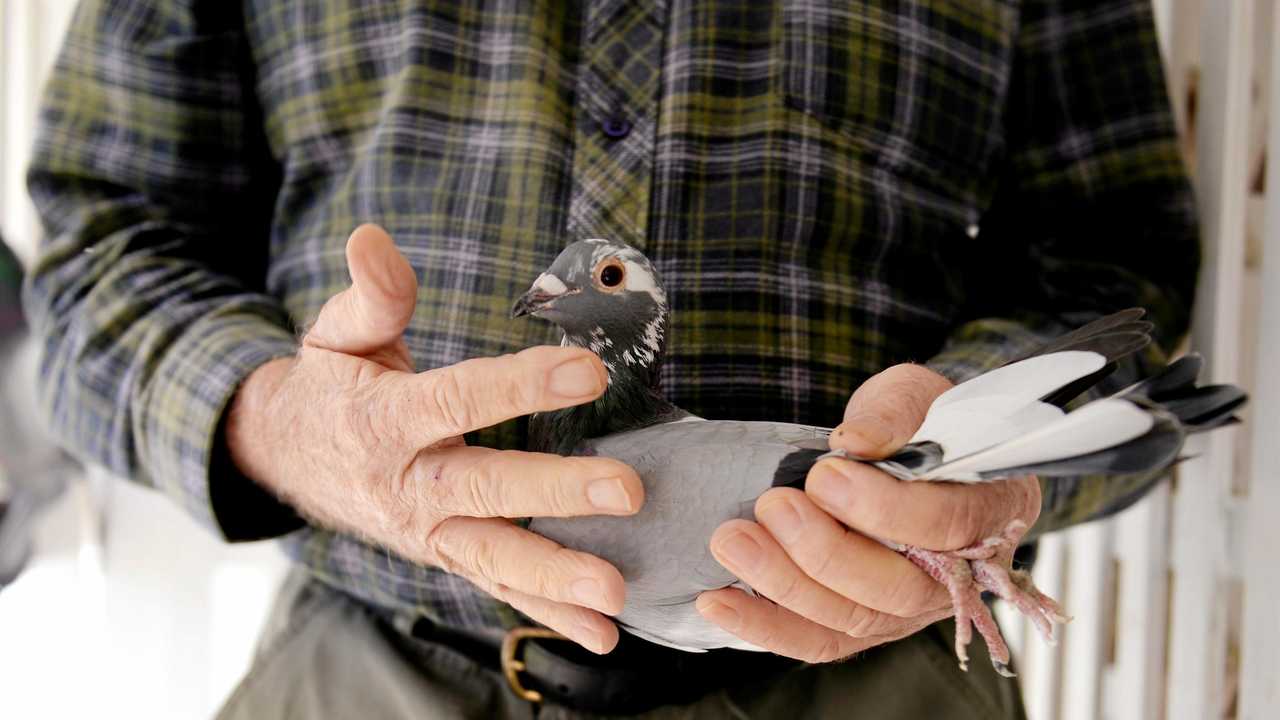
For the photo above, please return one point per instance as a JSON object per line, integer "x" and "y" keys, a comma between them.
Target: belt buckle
{"x": 513, "y": 664}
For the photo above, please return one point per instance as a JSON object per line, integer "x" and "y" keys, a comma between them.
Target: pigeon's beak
{"x": 546, "y": 289}
{"x": 531, "y": 302}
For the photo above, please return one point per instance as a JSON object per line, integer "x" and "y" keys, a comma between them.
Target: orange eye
{"x": 609, "y": 275}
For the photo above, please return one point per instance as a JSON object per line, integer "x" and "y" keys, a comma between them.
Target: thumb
{"x": 887, "y": 410}
{"x": 375, "y": 310}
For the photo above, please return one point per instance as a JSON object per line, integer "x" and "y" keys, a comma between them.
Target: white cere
{"x": 550, "y": 284}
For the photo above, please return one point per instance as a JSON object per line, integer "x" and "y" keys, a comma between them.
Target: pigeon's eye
{"x": 609, "y": 275}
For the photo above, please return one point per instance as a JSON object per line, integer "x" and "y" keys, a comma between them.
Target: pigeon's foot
{"x": 969, "y": 571}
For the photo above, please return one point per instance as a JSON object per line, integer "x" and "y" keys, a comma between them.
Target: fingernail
{"x": 781, "y": 518}
{"x": 740, "y": 550}
{"x": 723, "y": 615}
{"x": 829, "y": 486}
{"x": 587, "y": 591}
{"x": 868, "y": 432}
{"x": 609, "y": 494}
{"x": 575, "y": 379}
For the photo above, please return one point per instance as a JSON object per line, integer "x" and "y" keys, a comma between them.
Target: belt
{"x": 541, "y": 665}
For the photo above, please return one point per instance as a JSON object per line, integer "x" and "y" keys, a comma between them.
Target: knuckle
{"x": 1031, "y": 500}
{"x": 827, "y": 650}
{"x": 851, "y": 620}
{"x": 397, "y": 498}
{"x": 767, "y": 631}
{"x": 356, "y": 420}
{"x": 817, "y": 557}
{"x": 562, "y": 567}
{"x": 469, "y": 491}
{"x": 453, "y": 408}
{"x": 880, "y": 513}
{"x": 523, "y": 385}
{"x": 860, "y": 622}
{"x": 558, "y": 495}
{"x": 443, "y": 549}
{"x": 437, "y": 491}
{"x": 789, "y": 590}
{"x": 918, "y": 376}
{"x": 961, "y": 521}
{"x": 547, "y": 579}
{"x": 477, "y": 554}
{"x": 902, "y": 597}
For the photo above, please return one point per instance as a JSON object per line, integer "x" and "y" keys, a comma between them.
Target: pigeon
{"x": 1012, "y": 421}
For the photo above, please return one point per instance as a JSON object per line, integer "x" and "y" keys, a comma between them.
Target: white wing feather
{"x": 1097, "y": 426}
{"x": 968, "y": 425}
{"x": 1031, "y": 379}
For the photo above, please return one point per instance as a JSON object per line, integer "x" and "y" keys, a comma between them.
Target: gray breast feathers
{"x": 697, "y": 474}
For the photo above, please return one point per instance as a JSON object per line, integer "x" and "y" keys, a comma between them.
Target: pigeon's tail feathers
{"x": 794, "y": 468}
{"x": 1155, "y": 449}
{"x": 1205, "y": 408}
{"x": 1197, "y": 408}
{"x": 1113, "y": 336}
{"x": 1177, "y": 377}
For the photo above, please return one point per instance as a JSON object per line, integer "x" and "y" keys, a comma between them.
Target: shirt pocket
{"x": 916, "y": 87}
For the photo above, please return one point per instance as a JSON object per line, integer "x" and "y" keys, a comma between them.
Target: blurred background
{"x": 1175, "y": 600}
{"x": 148, "y": 614}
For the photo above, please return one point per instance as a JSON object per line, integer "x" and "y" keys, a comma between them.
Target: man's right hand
{"x": 352, "y": 437}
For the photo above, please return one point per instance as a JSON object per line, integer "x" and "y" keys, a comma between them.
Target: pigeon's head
{"x": 605, "y": 296}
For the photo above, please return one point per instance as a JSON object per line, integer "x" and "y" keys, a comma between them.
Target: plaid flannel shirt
{"x": 828, "y": 188}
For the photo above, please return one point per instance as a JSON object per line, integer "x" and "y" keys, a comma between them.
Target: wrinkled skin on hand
{"x": 827, "y": 588}
{"x": 352, "y": 437}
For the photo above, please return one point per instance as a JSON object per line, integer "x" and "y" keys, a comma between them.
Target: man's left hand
{"x": 832, "y": 590}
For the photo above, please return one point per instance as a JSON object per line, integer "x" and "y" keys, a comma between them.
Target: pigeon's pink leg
{"x": 966, "y": 599}
{"x": 969, "y": 571}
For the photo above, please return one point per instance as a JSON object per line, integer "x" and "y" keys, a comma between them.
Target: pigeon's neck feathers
{"x": 631, "y": 401}
{"x": 624, "y": 406}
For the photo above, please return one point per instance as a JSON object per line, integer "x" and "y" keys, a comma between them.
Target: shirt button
{"x": 616, "y": 127}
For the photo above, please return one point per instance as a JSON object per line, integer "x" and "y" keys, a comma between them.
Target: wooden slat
{"x": 1136, "y": 684}
{"x": 1041, "y": 670}
{"x": 1260, "y": 652}
{"x": 1084, "y": 639}
{"x": 1200, "y": 540}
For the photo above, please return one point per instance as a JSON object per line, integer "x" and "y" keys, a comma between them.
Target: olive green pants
{"x": 325, "y": 656}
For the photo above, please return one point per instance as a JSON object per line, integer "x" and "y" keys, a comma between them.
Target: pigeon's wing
{"x": 1139, "y": 429}
{"x": 1156, "y": 448}
{"x": 1094, "y": 427}
{"x": 1020, "y": 397}
{"x": 697, "y": 474}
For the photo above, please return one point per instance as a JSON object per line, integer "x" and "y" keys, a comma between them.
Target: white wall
{"x": 32, "y": 30}
{"x": 127, "y": 609}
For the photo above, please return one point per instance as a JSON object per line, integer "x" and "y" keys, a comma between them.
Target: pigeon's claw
{"x": 958, "y": 576}
{"x": 969, "y": 571}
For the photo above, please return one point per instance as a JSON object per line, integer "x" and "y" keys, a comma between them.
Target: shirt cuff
{"x": 184, "y": 449}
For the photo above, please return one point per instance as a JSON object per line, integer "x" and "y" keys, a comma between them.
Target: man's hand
{"x": 833, "y": 590}
{"x": 349, "y": 435}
